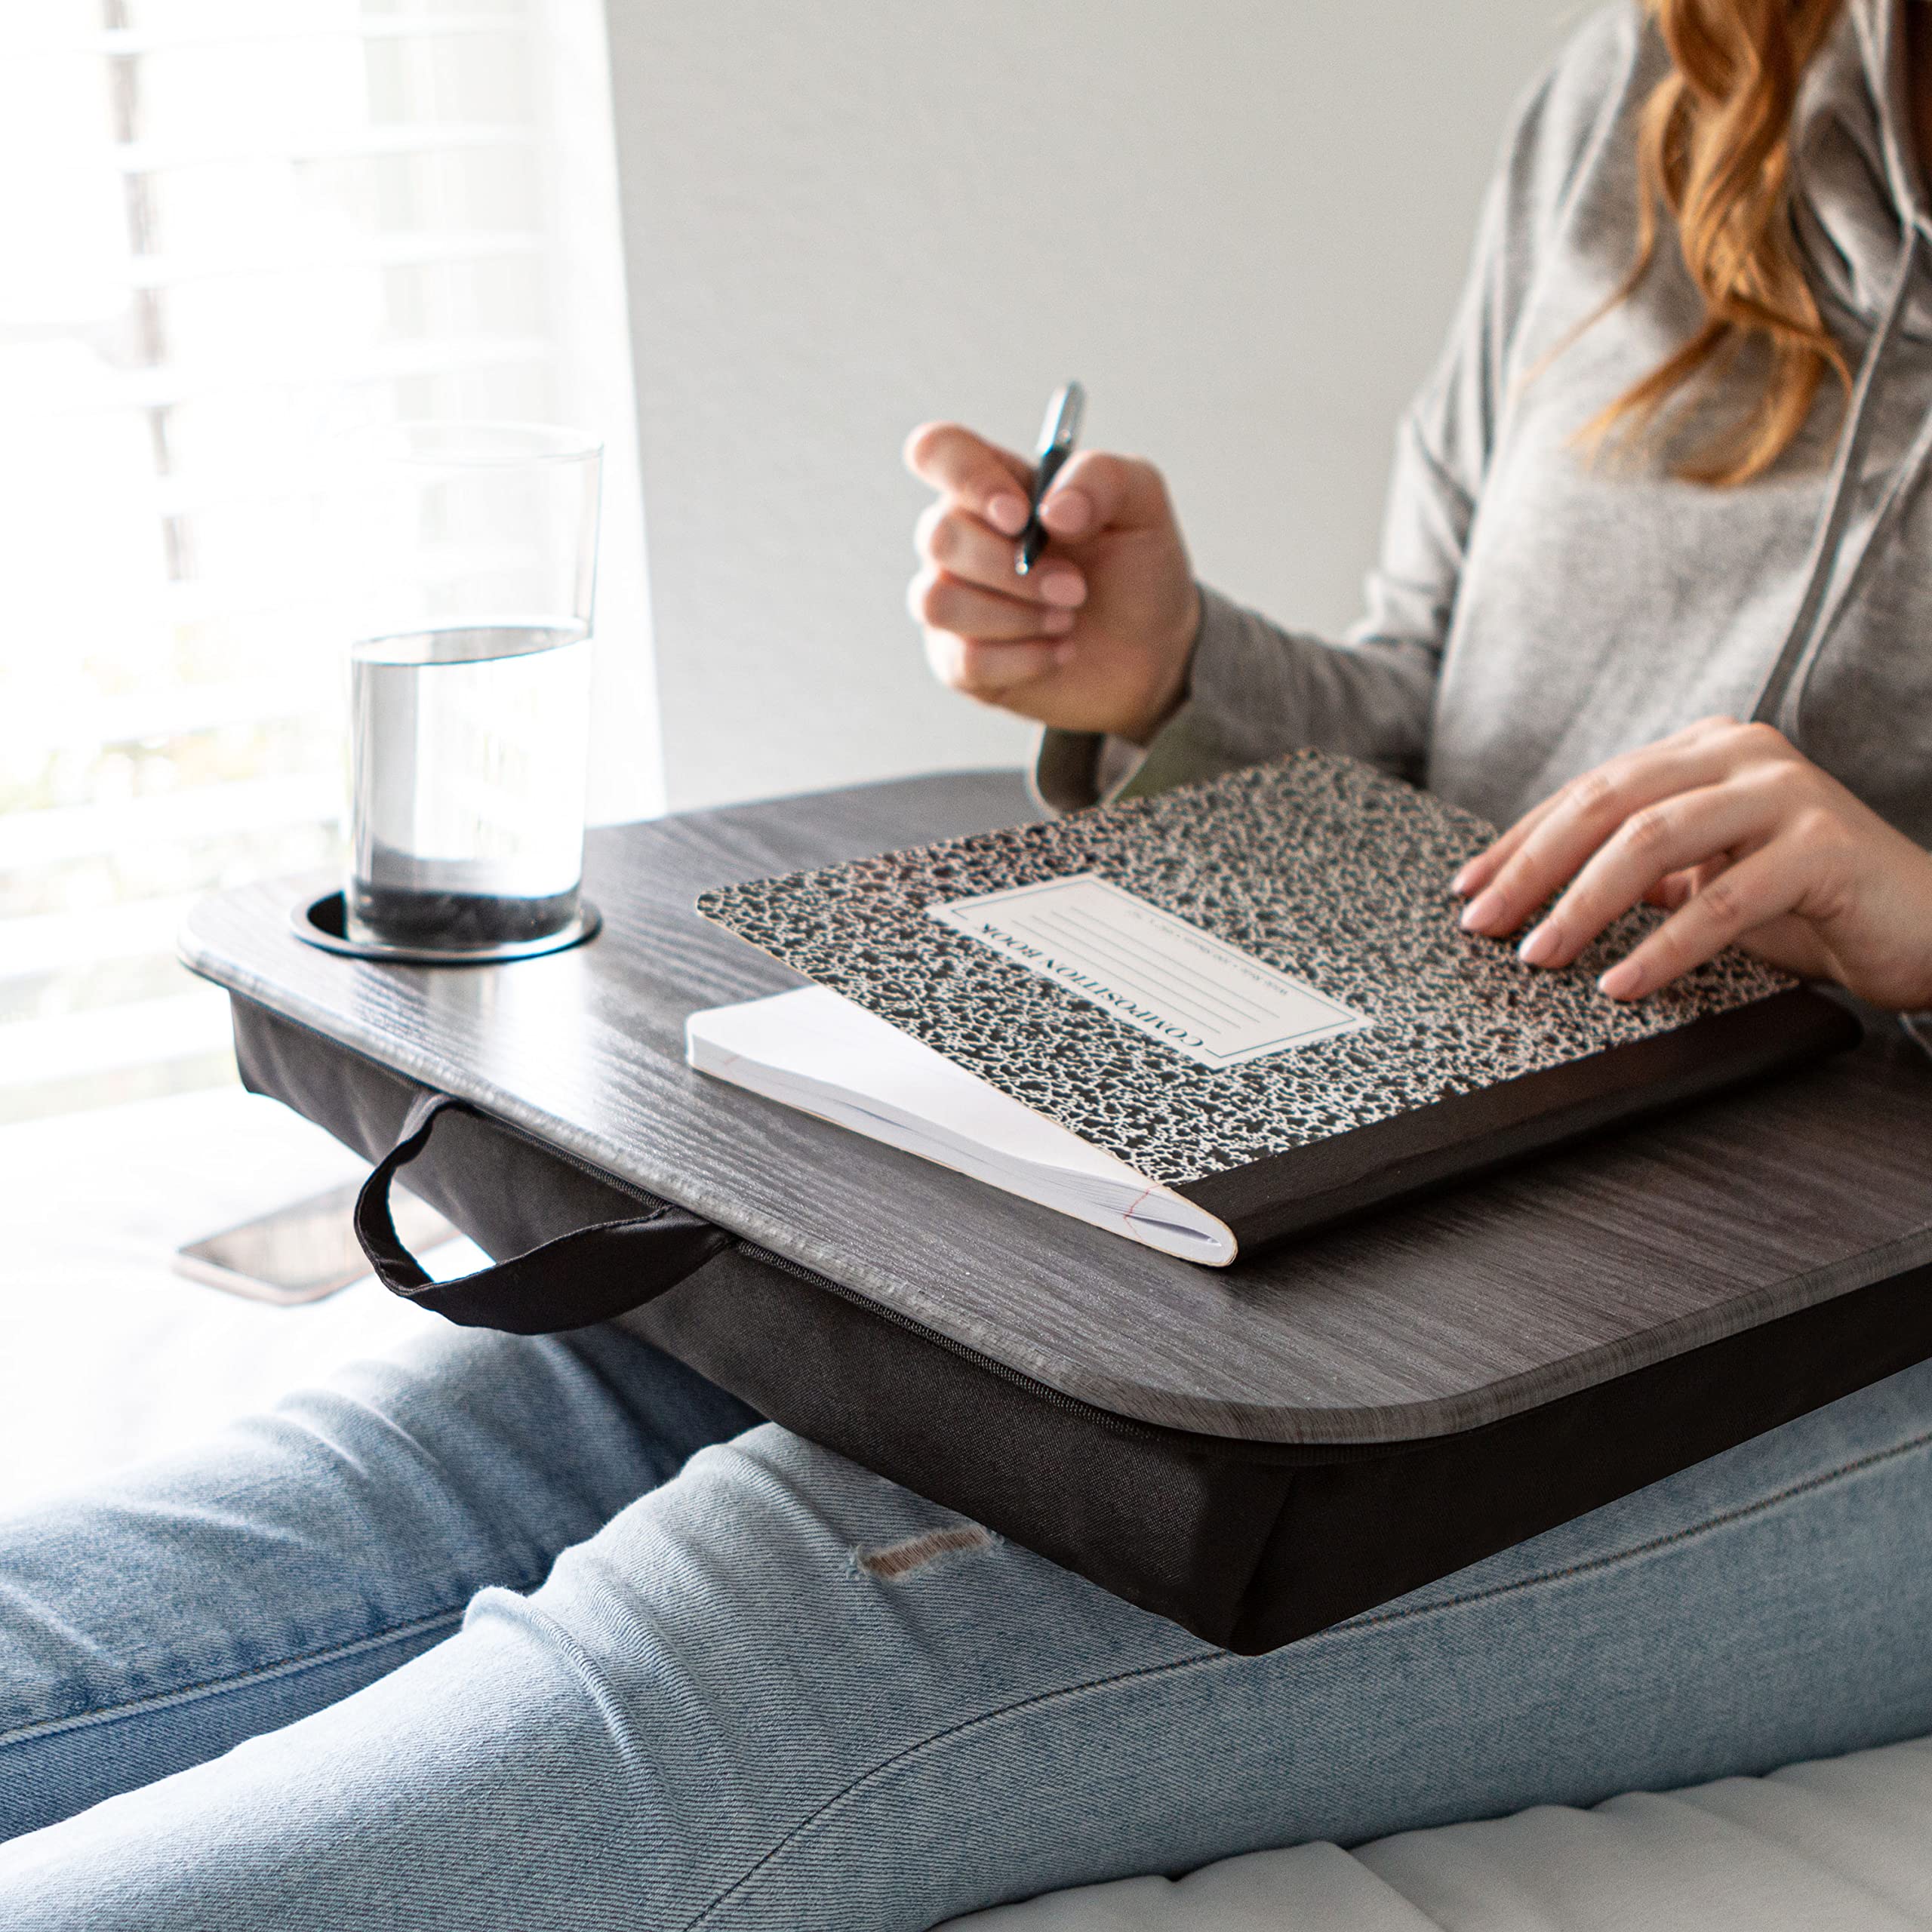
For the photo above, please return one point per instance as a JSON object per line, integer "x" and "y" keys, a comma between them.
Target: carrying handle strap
{"x": 590, "y": 1274}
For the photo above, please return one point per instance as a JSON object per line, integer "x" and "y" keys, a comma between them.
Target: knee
{"x": 766, "y": 1534}
{"x": 753, "y": 1527}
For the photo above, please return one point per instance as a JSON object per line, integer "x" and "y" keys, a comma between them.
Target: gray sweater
{"x": 1533, "y": 612}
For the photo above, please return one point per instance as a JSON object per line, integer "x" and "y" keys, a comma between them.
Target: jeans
{"x": 532, "y": 1634}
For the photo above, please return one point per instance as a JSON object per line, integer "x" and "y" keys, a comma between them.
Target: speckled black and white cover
{"x": 1321, "y": 867}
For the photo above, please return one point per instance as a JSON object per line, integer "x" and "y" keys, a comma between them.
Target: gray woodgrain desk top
{"x": 1445, "y": 1314}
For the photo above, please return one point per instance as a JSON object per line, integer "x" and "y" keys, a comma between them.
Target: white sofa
{"x": 1844, "y": 1845}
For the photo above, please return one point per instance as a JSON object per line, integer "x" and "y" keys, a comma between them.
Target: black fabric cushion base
{"x": 1249, "y": 1545}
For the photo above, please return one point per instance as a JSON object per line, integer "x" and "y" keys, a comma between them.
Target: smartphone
{"x": 306, "y": 1250}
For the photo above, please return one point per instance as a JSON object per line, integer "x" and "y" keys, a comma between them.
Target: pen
{"x": 1057, "y": 435}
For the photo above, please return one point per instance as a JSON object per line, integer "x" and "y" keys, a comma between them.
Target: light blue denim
{"x": 689, "y": 1690}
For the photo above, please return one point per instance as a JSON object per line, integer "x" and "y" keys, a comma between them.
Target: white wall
{"x": 1241, "y": 223}
{"x": 595, "y": 390}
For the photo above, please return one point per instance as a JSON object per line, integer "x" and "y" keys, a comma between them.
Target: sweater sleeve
{"x": 1256, "y": 689}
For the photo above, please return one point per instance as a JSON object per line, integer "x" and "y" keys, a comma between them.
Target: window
{"x": 249, "y": 228}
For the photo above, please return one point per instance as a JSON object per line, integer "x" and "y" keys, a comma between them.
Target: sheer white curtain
{"x": 228, "y": 230}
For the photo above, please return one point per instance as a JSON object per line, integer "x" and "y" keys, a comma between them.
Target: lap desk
{"x": 1257, "y": 1452}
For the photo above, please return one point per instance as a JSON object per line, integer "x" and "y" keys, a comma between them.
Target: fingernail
{"x": 1464, "y": 879}
{"x": 1065, "y": 588}
{"x": 1622, "y": 981}
{"x": 1056, "y": 623}
{"x": 1540, "y": 947}
{"x": 1066, "y": 511}
{"x": 1481, "y": 911}
{"x": 1007, "y": 514}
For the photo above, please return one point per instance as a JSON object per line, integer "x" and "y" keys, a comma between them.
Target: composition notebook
{"x": 1220, "y": 1016}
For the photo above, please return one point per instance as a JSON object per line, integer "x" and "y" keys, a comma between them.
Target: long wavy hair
{"x": 1714, "y": 156}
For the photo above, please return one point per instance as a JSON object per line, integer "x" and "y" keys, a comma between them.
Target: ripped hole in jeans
{"x": 893, "y": 1560}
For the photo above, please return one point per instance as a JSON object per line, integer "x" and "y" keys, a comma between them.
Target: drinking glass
{"x": 470, "y": 569}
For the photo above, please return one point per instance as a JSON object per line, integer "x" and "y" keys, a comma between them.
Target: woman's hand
{"x": 1097, "y": 637}
{"x": 1744, "y": 839}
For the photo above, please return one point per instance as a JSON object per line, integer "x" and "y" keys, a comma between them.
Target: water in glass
{"x": 467, "y": 756}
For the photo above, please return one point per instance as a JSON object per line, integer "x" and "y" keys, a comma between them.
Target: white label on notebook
{"x": 1204, "y": 998}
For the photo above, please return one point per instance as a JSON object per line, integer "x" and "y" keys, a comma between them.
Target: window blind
{"x": 250, "y": 229}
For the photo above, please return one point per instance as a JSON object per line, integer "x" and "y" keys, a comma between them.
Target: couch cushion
{"x": 1845, "y": 1842}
